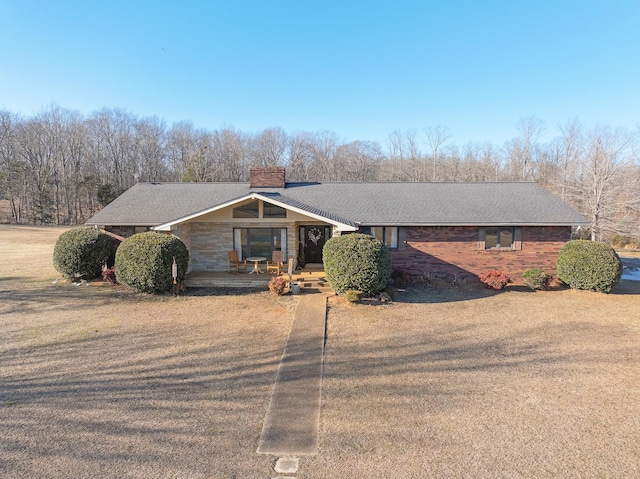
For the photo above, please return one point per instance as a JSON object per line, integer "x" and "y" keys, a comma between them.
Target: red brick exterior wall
{"x": 449, "y": 250}
{"x": 267, "y": 177}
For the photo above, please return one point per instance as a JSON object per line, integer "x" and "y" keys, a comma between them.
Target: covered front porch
{"x": 311, "y": 276}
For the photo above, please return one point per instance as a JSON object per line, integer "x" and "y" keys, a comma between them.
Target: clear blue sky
{"x": 358, "y": 68}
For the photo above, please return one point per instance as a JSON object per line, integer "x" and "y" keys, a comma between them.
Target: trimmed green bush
{"x": 144, "y": 261}
{"x": 81, "y": 252}
{"x": 535, "y": 278}
{"x": 589, "y": 265}
{"x": 358, "y": 262}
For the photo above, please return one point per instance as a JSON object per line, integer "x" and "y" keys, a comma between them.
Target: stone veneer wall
{"x": 446, "y": 251}
{"x": 209, "y": 243}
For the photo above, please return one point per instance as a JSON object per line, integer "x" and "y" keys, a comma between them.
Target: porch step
{"x": 312, "y": 280}
{"x": 226, "y": 280}
{"x": 309, "y": 278}
{"x": 201, "y": 279}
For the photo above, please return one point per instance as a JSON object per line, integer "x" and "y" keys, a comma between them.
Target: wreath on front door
{"x": 315, "y": 234}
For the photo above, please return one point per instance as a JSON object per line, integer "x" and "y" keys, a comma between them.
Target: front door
{"x": 314, "y": 239}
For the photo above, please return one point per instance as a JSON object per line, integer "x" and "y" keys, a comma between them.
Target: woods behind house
{"x": 60, "y": 167}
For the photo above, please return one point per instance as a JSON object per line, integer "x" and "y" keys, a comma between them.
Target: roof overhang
{"x": 474, "y": 224}
{"x": 341, "y": 226}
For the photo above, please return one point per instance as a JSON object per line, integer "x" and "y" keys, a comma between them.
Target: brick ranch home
{"x": 444, "y": 229}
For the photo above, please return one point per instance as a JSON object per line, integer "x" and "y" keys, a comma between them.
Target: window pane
{"x": 248, "y": 210}
{"x": 391, "y": 236}
{"x": 276, "y": 240}
{"x": 260, "y": 242}
{"x": 506, "y": 237}
{"x": 240, "y": 243}
{"x": 491, "y": 240}
{"x": 377, "y": 233}
{"x": 273, "y": 211}
{"x": 283, "y": 242}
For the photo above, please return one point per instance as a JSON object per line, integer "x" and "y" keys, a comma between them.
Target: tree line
{"x": 60, "y": 167}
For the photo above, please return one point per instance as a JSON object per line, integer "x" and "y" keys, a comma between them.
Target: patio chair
{"x": 275, "y": 265}
{"x": 235, "y": 263}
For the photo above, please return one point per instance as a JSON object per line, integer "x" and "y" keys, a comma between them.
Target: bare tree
{"x": 229, "y": 160}
{"x": 405, "y": 161}
{"x": 182, "y": 143}
{"x": 531, "y": 128}
{"x": 570, "y": 150}
{"x": 13, "y": 179}
{"x": 269, "y": 147}
{"x": 359, "y": 160}
{"x": 436, "y": 138}
{"x": 114, "y": 148}
{"x": 299, "y": 154}
{"x": 322, "y": 153}
{"x": 150, "y": 141}
{"x": 601, "y": 187}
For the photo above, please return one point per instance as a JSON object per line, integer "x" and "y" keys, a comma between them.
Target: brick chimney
{"x": 267, "y": 177}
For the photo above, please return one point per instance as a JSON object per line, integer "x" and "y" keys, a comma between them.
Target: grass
{"x": 444, "y": 382}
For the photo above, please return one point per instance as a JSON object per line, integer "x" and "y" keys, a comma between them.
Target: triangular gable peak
{"x": 267, "y": 198}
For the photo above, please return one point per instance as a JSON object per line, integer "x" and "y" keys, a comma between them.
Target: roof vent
{"x": 267, "y": 177}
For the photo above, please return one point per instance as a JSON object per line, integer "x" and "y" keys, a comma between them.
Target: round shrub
{"x": 81, "y": 252}
{"x": 144, "y": 261}
{"x": 277, "y": 285}
{"x": 589, "y": 265}
{"x": 356, "y": 262}
{"x": 494, "y": 279}
{"x": 535, "y": 278}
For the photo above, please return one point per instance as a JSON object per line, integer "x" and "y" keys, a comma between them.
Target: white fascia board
{"x": 253, "y": 196}
{"x": 475, "y": 223}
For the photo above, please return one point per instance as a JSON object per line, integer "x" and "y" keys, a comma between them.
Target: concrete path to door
{"x": 291, "y": 425}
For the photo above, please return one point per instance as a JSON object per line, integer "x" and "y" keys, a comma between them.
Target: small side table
{"x": 256, "y": 260}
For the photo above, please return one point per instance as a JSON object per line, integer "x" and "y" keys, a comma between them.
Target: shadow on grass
{"x": 422, "y": 293}
{"x": 154, "y": 402}
{"x": 218, "y": 291}
{"x": 626, "y": 286}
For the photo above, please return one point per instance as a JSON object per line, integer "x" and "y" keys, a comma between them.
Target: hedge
{"x": 356, "y": 262}
{"x": 144, "y": 261}
{"x": 81, "y": 252}
{"x": 589, "y": 265}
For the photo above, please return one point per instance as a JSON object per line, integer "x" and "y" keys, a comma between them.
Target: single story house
{"x": 445, "y": 229}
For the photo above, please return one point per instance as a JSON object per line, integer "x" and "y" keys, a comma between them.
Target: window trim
{"x": 516, "y": 242}
{"x": 262, "y": 209}
{"x": 266, "y": 208}
{"x": 237, "y": 240}
{"x": 243, "y": 208}
{"x": 393, "y": 230}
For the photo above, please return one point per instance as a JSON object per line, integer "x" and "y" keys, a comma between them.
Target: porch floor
{"x": 311, "y": 276}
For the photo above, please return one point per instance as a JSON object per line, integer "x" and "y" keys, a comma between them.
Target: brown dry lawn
{"x": 97, "y": 381}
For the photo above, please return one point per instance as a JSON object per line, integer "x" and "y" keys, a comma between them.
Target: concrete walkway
{"x": 291, "y": 426}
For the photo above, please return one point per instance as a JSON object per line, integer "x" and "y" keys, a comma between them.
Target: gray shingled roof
{"x": 401, "y": 204}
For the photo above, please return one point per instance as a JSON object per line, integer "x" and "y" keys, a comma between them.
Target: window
{"x": 500, "y": 237}
{"x": 273, "y": 211}
{"x": 259, "y": 241}
{"x": 247, "y": 210}
{"x": 387, "y": 234}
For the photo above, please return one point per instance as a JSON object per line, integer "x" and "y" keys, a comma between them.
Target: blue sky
{"x": 361, "y": 69}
